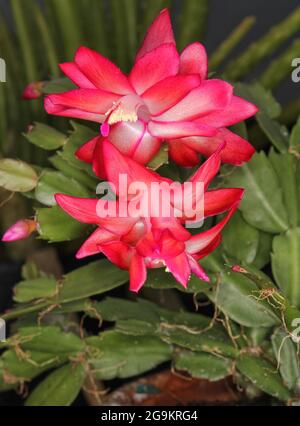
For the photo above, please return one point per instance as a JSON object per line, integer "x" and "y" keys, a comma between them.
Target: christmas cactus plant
{"x": 162, "y": 185}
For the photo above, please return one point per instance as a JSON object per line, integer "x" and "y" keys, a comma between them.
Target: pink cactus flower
{"x": 165, "y": 97}
{"x": 20, "y": 230}
{"x": 141, "y": 242}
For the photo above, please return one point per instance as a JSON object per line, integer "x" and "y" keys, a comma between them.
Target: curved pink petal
{"x": 91, "y": 245}
{"x": 199, "y": 242}
{"x": 180, "y": 268}
{"x": 147, "y": 247}
{"x": 193, "y": 60}
{"x": 197, "y": 269}
{"x": 86, "y": 151}
{"x": 118, "y": 253}
{"x": 146, "y": 148}
{"x": 60, "y": 110}
{"x": 220, "y": 200}
{"x": 178, "y": 129}
{"x": 160, "y": 63}
{"x": 168, "y": 92}
{"x": 182, "y": 154}
{"x": 208, "y": 249}
{"x": 115, "y": 164}
{"x": 102, "y": 72}
{"x": 137, "y": 272}
{"x": 169, "y": 246}
{"x": 97, "y": 161}
{"x": 91, "y": 211}
{"x": 82, "y": 209}
{"x": 126, "y": 136}
{"x": 89, "y": 100}
{"x": 237, "y": 110}
{"x": 237, "y": 150}
{"x": 208, "y": 170}
{"x": 160, "y": 32}
{"x": 173, "y": 225}
{"x": 71, "y": 70}
{"x": 138, "y": 231}
{"x": 210, "y": 96}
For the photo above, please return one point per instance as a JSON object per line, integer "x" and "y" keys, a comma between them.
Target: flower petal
{"x": 160, "y": 63}
{"x": 199, "y": 242}
{"x": 178, "y": 129}
{"x": 118, "y": 253}
{"x": 138, "y": 273}
{"x": 210, "y": 96}
{"x": 208, "y": 170}
{"x": 89, "y": 210}
{"x": 86, "y": 151}
{"x": 180, "y": 268}
{"x": 197, "y": 269}
{"x": 169, "y": 246}
{"x": 171, "y": 224}
{"x": 168, "y": 92}
{"x": 71, "y": 70}
{"x": 146, "y": 148}
{"x": 237, "y": 110}
{"x": 102, "y": 72}
{"x": 115, "y": 164}
{"x": 193, "y": 60}
{"x": 220, "y": 200}
{"x": 89, "y": 100}
{"x": 91, "y": 245}
{"x": 82, "y": 209}
{"x": 182, "y": 154}
{"x": 126, "y": 135}
{"x": 237, "y": 150}
{"x": 208, "y": 249}
{"x": 160, "y": 32}
{"x": 60, "y": 110}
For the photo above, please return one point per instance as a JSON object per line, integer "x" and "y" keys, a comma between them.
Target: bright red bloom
{"x": 20, "y": 230}
{"x": 166, "y": 97}
{"x": 141, "y": 242}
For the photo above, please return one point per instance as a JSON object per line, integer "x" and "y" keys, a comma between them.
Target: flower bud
{"x": 20, "y": 230}
{"x": 33, "y": 90}
{"x": 238, "y": 268}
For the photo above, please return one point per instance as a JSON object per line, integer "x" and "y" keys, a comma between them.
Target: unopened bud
{"x": 33, "y": 90}
{"x": 20, "y": 230}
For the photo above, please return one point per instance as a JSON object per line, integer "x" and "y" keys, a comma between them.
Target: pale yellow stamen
{"x": 118, "y": 113}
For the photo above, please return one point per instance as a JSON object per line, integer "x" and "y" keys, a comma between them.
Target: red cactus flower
{"x": 141, "y": 242}
{"x": 166, "y": 96}
{"x": 20, "y": 230}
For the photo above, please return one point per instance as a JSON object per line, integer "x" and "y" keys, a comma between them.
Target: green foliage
{"x": 264, "y": 47}
{"x": 17, "y": 176}
{"x": 263, "y": 375}
{"x": 45, "y": 137}
{"x": 60, "y": 388}
{"x": 114, "y": 354}
{"x": 262, "y": 205}
{"x": 285, "y": 264}
{"x": 55, "y": 225}
{"x": 203, "y": 365}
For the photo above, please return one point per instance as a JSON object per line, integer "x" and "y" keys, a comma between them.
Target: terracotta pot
{"x": 167, "y": 388}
